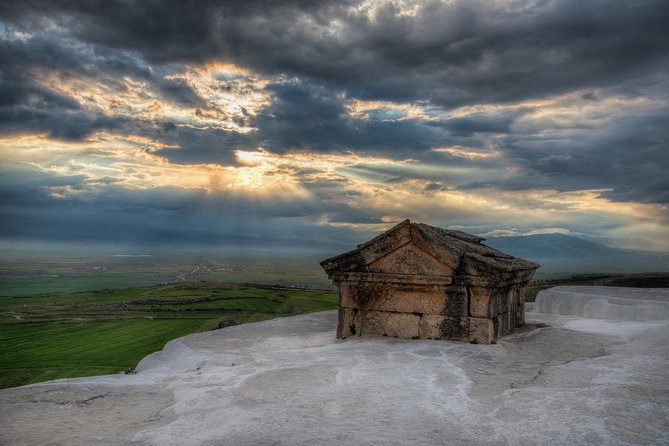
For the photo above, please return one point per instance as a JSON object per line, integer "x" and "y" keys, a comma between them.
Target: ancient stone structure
{"x": 420, "y": 281}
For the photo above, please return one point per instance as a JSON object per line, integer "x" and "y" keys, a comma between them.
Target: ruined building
{"x": 420, "y": 281}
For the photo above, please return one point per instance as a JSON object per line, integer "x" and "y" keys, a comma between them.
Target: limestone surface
{"x": 584, "y": 376}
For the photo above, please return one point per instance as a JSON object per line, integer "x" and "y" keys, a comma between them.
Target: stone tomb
{"x": 420, "y": 281}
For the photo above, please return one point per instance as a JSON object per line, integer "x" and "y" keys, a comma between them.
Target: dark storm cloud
{"x": 449, "y": 53}
{"x": 27, "y": 106}
{"x": 174, "y": 30}
{"x": 306, "y": 117}
{"x": 60, "y": 53}
{"x": 628, "y": 155}
{"x": 479, "y": 123}
{"x": 59, "y": 123}
{"x": 180, "y": 92}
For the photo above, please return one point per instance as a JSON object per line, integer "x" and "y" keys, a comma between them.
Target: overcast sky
{"x": 327, "y": 122}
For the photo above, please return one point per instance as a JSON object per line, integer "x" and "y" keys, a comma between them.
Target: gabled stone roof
{"x": 472, "y": 262}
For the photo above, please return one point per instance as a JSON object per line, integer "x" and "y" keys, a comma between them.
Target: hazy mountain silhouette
{"x": 574, "y": 254}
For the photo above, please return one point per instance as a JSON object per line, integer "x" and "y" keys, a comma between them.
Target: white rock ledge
{"x": 611, "y": 303}
{"x": 566, "y": 380}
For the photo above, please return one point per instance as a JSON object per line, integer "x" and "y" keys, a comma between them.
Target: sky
{"x": 323, "y": 123}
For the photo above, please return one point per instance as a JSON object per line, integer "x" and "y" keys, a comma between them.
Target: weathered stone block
{"x": 499, "y": 302}
{"x": 435, "y": 326}
{"x": 394, "y": 298}
{"x": 503, "y": 323}
{"x": 457, "y": 301}
{"x": 511, "y": 324}
{"x": 429, "y": 326}
{"x": 402, "y": 325}
{"x": 520, "y": 320}
{"x": 479, "y": 302}
{"x": 455, "y": 328}
{"x": 349, "y": 323}
{"x": 481, "y": 330}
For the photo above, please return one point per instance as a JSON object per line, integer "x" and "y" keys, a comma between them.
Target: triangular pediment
{"x": 412, "y": 260}
{"x": 420, "y": 249}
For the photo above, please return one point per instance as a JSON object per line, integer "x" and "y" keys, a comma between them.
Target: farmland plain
{"x": 29, "y": 276}
{"x": 60, "y": 335}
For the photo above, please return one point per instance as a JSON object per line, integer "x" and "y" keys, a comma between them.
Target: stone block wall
{"x": 429, "y": 311}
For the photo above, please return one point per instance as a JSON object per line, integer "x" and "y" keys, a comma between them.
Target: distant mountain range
{"x": 559, "y": 252}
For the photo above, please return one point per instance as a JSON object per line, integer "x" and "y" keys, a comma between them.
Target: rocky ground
{"x": 565, "y": 379}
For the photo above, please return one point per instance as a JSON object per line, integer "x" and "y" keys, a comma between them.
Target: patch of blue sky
{"x": 386, "y": 114}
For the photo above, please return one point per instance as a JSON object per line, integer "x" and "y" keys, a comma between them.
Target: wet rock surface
{"x": 564, "y": 379}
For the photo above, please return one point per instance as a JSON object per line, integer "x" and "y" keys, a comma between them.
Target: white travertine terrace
{"x": 586, "y": 376}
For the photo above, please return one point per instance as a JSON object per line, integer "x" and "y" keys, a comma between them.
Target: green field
{"x": 53, "y": 336}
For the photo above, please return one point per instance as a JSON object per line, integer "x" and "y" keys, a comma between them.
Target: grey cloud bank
{"x": 488, "y": 104}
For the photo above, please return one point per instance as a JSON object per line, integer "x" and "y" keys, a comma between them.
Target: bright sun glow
{"x": 347, "y": 179}
{"x": 224, "y": 96}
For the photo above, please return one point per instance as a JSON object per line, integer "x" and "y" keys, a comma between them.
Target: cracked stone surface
{"x": 563, "y": 379}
